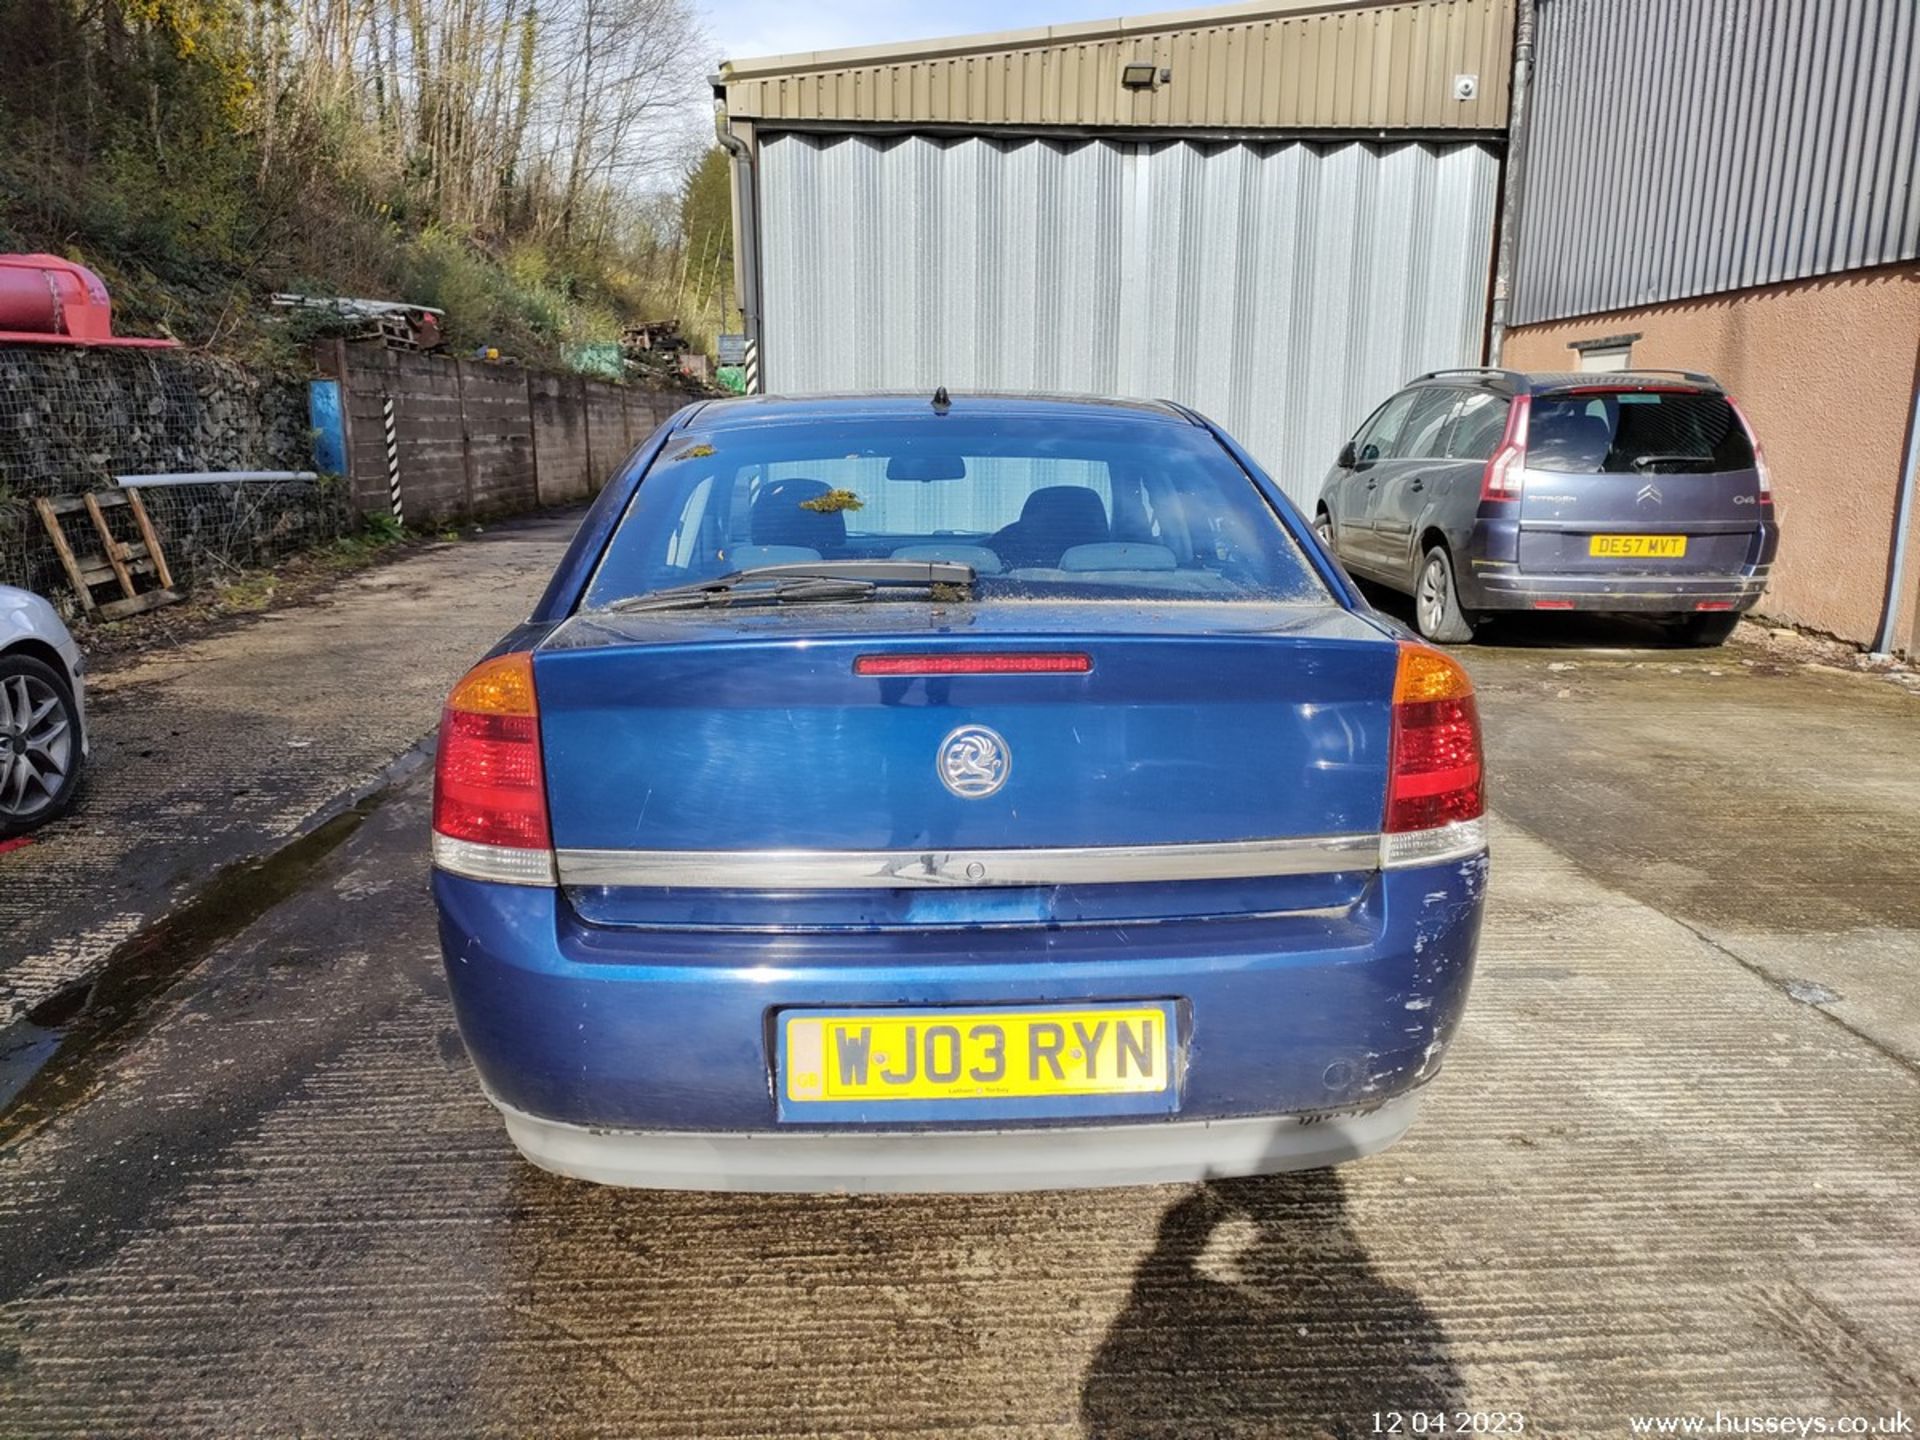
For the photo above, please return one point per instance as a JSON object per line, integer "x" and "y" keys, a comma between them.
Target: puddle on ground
{"x": 54, "y": 1054}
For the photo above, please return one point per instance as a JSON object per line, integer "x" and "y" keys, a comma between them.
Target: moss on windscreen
{"x": 833, "y": 500}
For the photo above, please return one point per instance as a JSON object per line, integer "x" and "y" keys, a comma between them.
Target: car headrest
{"x": 983, "y": 560}
{"x": 1578, "y": 441}
{"x": 1118, "y": 555}
{"x": 1065, "y": 510}
{"x": 745, "y": 557}
{"x": 779, "y": 519}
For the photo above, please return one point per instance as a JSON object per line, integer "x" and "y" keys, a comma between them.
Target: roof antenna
{"x": 942, "y": 402}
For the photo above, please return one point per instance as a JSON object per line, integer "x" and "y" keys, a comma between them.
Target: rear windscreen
{"x": 1079, "y": 508}
{"x": 1636, "y": 432}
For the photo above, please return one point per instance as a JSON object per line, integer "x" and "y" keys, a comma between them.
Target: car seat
{"x": 778, "y": 519}
{"x": 1053, "y": 521}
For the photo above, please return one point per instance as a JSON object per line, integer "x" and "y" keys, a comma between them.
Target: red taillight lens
{"x": 1501, "y": 479}
{"x": 489, "y": 788}
{"x": 1437, "y": 776}
{"x": 1013, "y": 664}
{"x": 1760, "y": 466}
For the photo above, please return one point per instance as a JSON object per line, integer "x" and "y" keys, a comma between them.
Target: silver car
{"x": 43, "y": 721}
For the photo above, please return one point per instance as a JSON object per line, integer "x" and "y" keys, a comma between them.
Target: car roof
{"x": 1547, "y": 382}
{"x": 747, "y": 410}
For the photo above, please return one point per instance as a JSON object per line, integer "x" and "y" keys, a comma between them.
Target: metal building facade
{"x": 1686, "y": 147}
{"x": 1282, "y": 64}
{"x": 1282, "y": 289}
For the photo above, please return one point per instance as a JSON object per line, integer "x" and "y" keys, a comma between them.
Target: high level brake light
{"x": 489, "y": 789}
{"x": 1501, "y": 479}
{"x": 1436, "y": 783}
{"x": 1031, "y": 662}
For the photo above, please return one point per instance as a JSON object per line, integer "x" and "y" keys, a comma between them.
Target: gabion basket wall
{"x": 71, "y": 419}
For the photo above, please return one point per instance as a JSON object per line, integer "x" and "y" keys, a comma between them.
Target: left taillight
{"x": 1436, "y": 783}
{"x": 489, "y": 789}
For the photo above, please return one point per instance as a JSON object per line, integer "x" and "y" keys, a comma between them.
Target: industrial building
{"x": 1278, "y": 212}
{"x": 1733, "y": 187}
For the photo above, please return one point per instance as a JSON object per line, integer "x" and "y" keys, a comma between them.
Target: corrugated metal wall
{"x": 1381, "y": 66}
{"x": 1683, "y": 147}
{"x": 1284, "y": 290}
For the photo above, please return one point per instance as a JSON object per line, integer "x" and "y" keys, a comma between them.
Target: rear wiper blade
{"x": 802, "y": 580}
{"x": 1640, "y": 462}
{"x": 773, "y": 592}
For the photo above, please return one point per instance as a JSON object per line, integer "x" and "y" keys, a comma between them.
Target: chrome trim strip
{"x": 927, "y": 869}
{"x": 501, "y": 864}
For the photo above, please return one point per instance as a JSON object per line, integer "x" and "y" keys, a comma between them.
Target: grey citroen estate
{"x": 1481, "y": 491}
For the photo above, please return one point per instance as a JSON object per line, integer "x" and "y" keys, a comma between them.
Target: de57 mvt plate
{"x": 978, "y": 1063}
{"x": 1638, "y": 547}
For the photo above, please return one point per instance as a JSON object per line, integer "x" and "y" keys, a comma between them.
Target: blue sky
{"x": 742, "y": 28}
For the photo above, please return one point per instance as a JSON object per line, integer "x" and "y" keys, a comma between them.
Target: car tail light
{"x": 1760, "y": 466}
{"x": 1436, "y": 781}
{"x": 1028, "y": 663}
{"x": 1501, "y": 479}
{"x": 489, "y": 790}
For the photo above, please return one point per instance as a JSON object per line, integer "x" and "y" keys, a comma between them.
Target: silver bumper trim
{"x": 955, "y": 1161}
{"x": 923, "y": 869}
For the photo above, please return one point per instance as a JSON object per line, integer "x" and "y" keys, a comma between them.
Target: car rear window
{"x": 1092, "y": 508}
{"x": 1623, "y": 432}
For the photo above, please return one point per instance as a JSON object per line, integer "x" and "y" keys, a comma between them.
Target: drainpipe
{"x": 1519, "y": 94}
{"x": 746, "y": 230}
{"x": 1902, "y": 530}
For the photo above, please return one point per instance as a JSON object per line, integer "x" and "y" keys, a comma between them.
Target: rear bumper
{"x": 1054, "y": 1158}
{"x": 1496, "y": 586}
{"x": 646, "y": 1055}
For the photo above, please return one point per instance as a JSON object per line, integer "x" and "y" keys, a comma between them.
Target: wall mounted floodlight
{"x": 1137, "y": 77}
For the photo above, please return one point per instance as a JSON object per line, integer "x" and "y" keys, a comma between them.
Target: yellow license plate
{"x": 1638, "y": 547}
{"x": 934, "y": 1055}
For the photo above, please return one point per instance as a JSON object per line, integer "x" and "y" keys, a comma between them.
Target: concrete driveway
{"x": 1669, "y": 1168}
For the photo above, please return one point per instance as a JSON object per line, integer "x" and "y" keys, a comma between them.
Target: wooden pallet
{"x": 116, "y": 562}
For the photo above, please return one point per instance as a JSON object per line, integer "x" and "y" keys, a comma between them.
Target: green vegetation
{"x": 528, "y": 167}
{"x": 381, "y": 528}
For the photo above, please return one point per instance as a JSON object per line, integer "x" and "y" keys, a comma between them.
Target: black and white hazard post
{"x": 393, "y": 458}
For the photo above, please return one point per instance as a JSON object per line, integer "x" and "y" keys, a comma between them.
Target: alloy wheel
{"x": 1432, "y": 598}
{"x": 36, "y": 745}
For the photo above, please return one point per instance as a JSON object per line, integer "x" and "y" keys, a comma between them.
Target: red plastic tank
{"x": 47, "y": 300}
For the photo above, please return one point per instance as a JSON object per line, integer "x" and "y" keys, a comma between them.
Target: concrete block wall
{"x": 480, "y": 439}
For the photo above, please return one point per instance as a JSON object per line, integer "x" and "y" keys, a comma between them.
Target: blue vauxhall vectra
{"x": 931, "y": 793}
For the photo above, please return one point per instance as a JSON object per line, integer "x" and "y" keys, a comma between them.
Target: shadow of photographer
{"x": 1260, "y": 1313}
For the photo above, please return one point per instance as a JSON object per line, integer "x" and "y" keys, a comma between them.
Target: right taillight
{"x": 1436, "y": 781}
{"x": 1501, "y": 480}
{"x": 1760, "y": 467}
{"x": 489, "y": 789}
